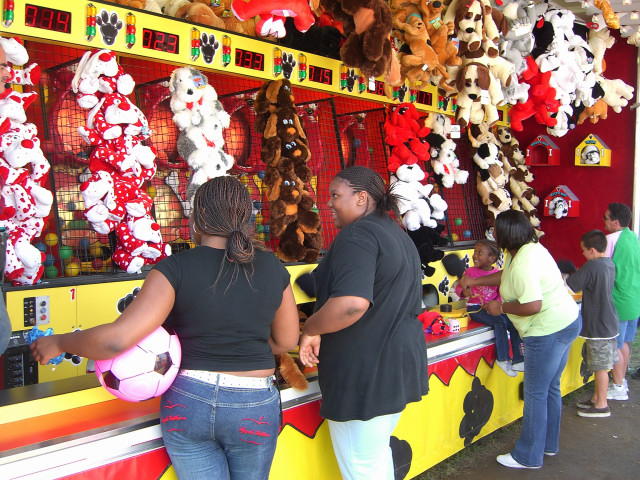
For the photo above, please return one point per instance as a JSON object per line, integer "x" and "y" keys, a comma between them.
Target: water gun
{"x": 35, "y": 333}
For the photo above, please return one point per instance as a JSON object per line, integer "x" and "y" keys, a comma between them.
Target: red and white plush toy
{"x": 273, "y": 13}
{"x": 120, "y": 162}
{"x": 23, "y": 169}
{"x": 98, "y": 72}
{"x": 17, "y": 55}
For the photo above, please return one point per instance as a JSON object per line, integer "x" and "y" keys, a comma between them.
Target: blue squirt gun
{"x": 35, "y": 333}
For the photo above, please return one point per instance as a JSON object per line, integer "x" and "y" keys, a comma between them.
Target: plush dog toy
{"x": 192, "y": 97}
{"x": 479, "y": 93}
{"x": 367, "y": 26}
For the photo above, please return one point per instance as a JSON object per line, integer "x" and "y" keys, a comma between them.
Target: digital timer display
{"x": 47, "y": 18}
{"x": 379, "y": 88}
{"x": 424, "y": 98}
{"x": 160, "y": 41}
{"x": 320, "y": 75}
{"x": 249, "y": 59}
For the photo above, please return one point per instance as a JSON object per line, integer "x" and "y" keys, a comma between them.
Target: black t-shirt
{"x": 379, "y": 364}
{"x": 595, "y": 278}
{"x": 224, "y": 330}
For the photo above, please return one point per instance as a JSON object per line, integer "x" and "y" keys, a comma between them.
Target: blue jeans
{"x": 544, "y": 362}
{"x": 219, "y": 433}
{"x": 501, "y": 325}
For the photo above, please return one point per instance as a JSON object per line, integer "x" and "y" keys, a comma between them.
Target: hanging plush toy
{"x": 23, "y": 170}
{"x": 272, "y": 15}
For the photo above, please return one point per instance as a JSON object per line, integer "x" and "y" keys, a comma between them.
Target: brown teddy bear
{"x": 367, "y": 25}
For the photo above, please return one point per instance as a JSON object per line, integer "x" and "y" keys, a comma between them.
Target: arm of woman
{"x": 285, "y": 329}
{"x": 147, "y": 312}
{"x": 492, "y": 280}
{"x": 495, "y": 307}
{"x": 337, "y": 313}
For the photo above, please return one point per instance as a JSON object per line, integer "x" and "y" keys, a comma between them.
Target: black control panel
{"x": 19, "y": 368}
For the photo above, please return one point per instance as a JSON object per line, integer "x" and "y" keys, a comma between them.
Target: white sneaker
{"x": 506, "y": 367}
{"x": 508, "y": 461}
{"x": 518, "y": 367}
{"x": 617, "y": 392}
{"x": 625, "y": 385}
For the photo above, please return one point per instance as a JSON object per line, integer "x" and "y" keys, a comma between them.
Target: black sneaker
{"x": 595, "y": 412}
{"x": 585, "y": 404}
{"x": 636, "y": 375}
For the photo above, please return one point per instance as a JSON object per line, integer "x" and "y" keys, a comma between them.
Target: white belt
{"x": 226, "y": 380}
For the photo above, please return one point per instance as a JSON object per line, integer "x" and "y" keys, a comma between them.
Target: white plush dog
{"x": 192, "y": 98}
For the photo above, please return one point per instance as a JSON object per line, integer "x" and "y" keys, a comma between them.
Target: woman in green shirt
{"x": 539, "y": 305}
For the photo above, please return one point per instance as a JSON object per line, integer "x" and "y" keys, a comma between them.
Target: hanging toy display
{"x": 23, "y": 173}
{"x": 120, "y": 162}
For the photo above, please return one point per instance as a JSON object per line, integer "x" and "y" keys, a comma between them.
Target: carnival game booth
{"x": 57, "y": 421}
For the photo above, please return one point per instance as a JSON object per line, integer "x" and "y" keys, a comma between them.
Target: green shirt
{"x": 532, "y": 274}
{"x": 626, "y": 258}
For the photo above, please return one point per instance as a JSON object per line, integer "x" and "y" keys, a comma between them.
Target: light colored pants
{"x": 362, "y": 447}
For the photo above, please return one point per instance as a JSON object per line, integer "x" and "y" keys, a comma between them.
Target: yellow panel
{"x": 62, "y": 313}
{"x": 98, "y": 302}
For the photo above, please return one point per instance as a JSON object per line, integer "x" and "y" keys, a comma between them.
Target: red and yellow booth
{"x": 58, "y": 422}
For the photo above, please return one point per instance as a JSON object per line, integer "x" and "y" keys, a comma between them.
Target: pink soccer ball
{"x": 145, "y": 370}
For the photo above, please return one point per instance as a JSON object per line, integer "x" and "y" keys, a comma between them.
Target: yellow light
{"x": 226, "y": 41}
{"x": 195, "y": 33}
{"x": 91, "y": 10}
{"x": 277, "y": 53}
{"x": 343, "y": 69}
{"x": 302, "y": 58}
{"x": 131, "y": 19}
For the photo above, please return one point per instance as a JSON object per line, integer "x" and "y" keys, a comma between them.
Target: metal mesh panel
{"x": 342, "y": 131}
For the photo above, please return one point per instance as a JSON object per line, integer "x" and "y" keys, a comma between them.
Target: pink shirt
{"x": 483, "y": 294}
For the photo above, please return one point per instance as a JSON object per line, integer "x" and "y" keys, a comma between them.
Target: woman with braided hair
{"x": 364, "y": 334}
{"x": 232, "y": 307}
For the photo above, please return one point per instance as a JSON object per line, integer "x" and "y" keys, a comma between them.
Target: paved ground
{"x": 590, "y": 448}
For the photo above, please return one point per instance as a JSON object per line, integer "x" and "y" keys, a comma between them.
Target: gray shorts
{"x": 601, "y": 354}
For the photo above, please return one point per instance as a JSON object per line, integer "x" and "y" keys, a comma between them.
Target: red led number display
{"x": 424, "y": 98}
{"x": 47, "y": 18}
{"x": 248, "y": 59}
{"x": 160, "y": 41}
{"x": 320, "y": 75}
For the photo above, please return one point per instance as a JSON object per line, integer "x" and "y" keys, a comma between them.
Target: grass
{"x": 508, "y": 434}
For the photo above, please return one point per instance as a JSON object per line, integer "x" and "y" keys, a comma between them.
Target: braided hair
{"x": 363, "y": 179}
{"x": 222, "y": 207}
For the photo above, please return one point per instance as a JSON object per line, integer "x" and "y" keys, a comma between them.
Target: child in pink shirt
{"x": 485, "y": 254}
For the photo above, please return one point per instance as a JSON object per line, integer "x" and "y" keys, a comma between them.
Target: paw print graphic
{"x": 126, "y": 301}
{"x": 466, "y": 261}
{"x": 500, "y": 260}
{"x": 109, "y": 25}
{"x": 288, "y": 62}
{"x": 443, "y": 287}
{"x": 208, "y": 47}
{"x": 351, "y": 79}
{"x": 402, "y": 92}
{"x": 585, "y": 373}
{"x": 477, "y": 406}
